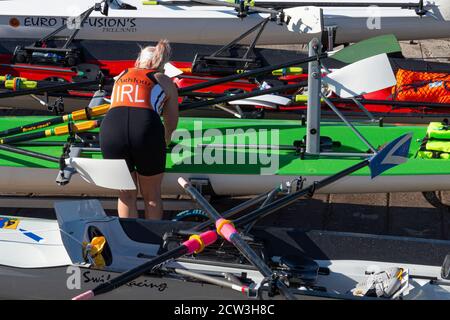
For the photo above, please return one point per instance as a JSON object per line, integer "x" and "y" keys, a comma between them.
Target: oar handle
{"x": 195, "y": 244}
{"x": 89, "y": 113}
{"x": 251, "y": 94}
{"x": 58, "y": 87}
{"x": 32, "y": 126}
{"x": 226, "y": 229}
{"x": 75, "y": 127}
{"x": 78, "y": 115}
{"x": 57, "y": 131}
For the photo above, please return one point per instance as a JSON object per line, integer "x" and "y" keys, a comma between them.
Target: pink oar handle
{"x": 85, "y": 296}
{"x": 197, "y": 243}
{"x": 225, "y": 228}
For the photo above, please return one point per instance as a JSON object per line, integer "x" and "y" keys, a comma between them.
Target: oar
{"x": 247, "y": 74}
{"x": 394, "y": 103}
{"x": 284, "y": 4}
{"x": 367, "y": 48}
{"x": 196, "y": 243}
{"x": 346, "y": 55}
{"x": 78, "y": 115}
{"x": 230, "y": 4}
{"x": 111, "y": 174}
{"x": 57, "y": 131}
{"x": 256, "y": 93}
{"x": 395, "y": 153}
{"x": 56, "y": 87}
{"x": 226, "y": 230}
{"x": 269, "y": 99}
{"x": 377, "y": 74}
{"x": 391, "y": 155}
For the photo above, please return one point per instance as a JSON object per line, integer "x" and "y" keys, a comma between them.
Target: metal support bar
{"x": 65, "y": 175}
{"x": 260, "y": 25}
{"x": 314, "y": 105}
{"x": 238, "y": 114}
{"x": 83, "y": 17}
{"x": 64, "y": 26}
{"x": 258, "y": 35}
{"x": 228, "y": 59}
{"x": 367, "y": 112}
{"x": 331, "y": 33}
{"x": 346, "y": 154}
{"x": 359, "y": 104}
{"x": 348, "y": 123}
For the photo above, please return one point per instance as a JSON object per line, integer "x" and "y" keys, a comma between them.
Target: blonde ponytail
{"x": 154, "y": 57}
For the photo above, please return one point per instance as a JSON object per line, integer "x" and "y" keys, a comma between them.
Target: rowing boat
{"x": 229, "y": 157}
{"x": 26, "y": 19}
{"x": 46, "y": 259}
{"x": 373, "y": 102}
{"x": 380, "y": 103}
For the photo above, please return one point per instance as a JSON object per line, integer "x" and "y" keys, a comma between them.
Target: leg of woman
{"x": 126, "y": 204}
{"x": 150, "y": 187}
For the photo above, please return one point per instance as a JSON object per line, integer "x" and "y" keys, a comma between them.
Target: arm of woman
{"x": 170, "y": 109}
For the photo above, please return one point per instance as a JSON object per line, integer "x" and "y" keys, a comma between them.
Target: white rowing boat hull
{"x": 29, "y": 19}
{"x": 39, "y": 181}
{"x": 53, "y": 267}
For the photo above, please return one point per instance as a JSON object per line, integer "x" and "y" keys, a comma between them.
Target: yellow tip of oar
{"x": 288, "y": 71}
{"x": 9, "y": 77}
{"x": 302, "y": 98}
{"x": 19, "y": 83}
{"x": 150, "y": 3}
{"x": 94, "y": 112}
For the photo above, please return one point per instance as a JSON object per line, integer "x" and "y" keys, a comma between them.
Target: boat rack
{"x": 65, "y": 55}
{"x": 313, "y": 139}
{"x": 217, "y": 63}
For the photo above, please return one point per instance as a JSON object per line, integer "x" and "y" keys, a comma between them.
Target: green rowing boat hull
{"x": 238, "y": 170}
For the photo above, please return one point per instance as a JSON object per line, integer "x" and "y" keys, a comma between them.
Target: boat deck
{"x": 189, "y": 157}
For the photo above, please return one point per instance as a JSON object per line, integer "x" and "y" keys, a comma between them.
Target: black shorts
{"x": 136, "y": 135}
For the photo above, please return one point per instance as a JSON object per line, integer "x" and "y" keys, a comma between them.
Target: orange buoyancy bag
{"x": 133, "y": 89}
{"x": 422, "y": 87}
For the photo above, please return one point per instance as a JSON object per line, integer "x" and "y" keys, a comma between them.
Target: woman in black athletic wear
{"x": 132, "y": 129}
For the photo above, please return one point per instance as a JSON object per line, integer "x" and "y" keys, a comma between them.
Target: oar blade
{"x": 368, "y": 48}
{"x": 106, "y": 173}
{"x": 267, "y": 100}
{"x": 305, "y": 20}
{"x": 393, "y": 154}
{"x": 171, "y": 71}
{"x": 253, "y": 103}
{"x": 362, "y": 77}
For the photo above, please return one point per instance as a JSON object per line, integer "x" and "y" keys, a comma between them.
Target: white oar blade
{"x": 266, "y": 100}
{"x": 171, "y": 71}
{"x": 272, "y": 98}
{"x": 305, "y": 20}
{"x": 393, "y": 154}
{"x": 246, "y": 102}
{"x": 106, "y": 173}
{"x": 362, "y": 77}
